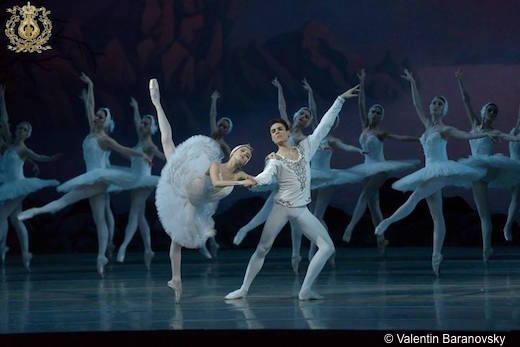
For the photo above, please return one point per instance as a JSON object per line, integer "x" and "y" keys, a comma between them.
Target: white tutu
{"x": 501, "y": 171}
{"x": 332, "y": 177}
{"x": 24, "y": 186}
{"x": 185, "y": 198}
{"x": 444, "y": 173}
{"x": 14, "y": 184}
{"x": 439, "y": 171}
{"x": 389, "y": 167}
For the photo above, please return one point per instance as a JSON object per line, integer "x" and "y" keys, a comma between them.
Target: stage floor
{"x": 64, "y": 293}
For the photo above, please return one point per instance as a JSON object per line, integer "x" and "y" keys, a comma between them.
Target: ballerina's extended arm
{"x": 362, "y": 100}
{"x": 219, "y": 183}
{"x": 337, "y": 143}
{"x": 137, "y": 114}
{"x": 282, "y": 107}
{"x": 312, "y": 103}
{"x": 213, "y": 113}
{"x": 89, "y": 100}
{"x": 4, "y": 118}
{"x": 474, "y": 120}
{"x": 164, "y": 126}
{"x": 416, "y": 97}
{"x": 29, "y": 154}
{"x": 108, "y": 143}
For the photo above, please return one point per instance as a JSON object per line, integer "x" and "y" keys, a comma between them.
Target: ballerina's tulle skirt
{"x": 24, "y": 186}
{"x": 118, "y": 178}
{"x": 187, "y": 224}
{"x": 332, "y": 177}
{"x": 501, "y": 171}
{"x": 386, "y": 166}
{"x": 441, "y": 174}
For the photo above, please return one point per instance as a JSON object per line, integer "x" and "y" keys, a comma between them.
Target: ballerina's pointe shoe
{"x": 305, "y": 295}
{"x": 176, "y": 285}
{"x": 26, "y": 259}
{"x": 436, "y": 264}
{"x": 507, "y": 234}
{"x": 237, "y": 294}
{"x": 148, "y": 256}
{"x": 486, "y": 255}
{"x": 213, "y": 247}
{"x": 27, "y": 214}
{"x": 121, "y": 254}
{"x": 347, "y": 235}
{"x": 204, "y": 251}
{"x": 101, "y": 262}
{"x": 239, "y": 237}
{"x": 3, "y": 251}
{"x": 110, "y": 250}
{"x": 295, "y": 263}
{"x": 381, "y": 244}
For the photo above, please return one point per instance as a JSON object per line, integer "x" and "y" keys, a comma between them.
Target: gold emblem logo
{"x": 23, "y": 30}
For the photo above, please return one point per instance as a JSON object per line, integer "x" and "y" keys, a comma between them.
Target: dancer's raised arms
{"x": 164, "y": 126}
{"x": 416, "y": 97}
{"x": 89, "y": 100}
{"x": 362, "y": 101}
{"x": 312, "y": 103}
{"x": 282, "y": 106}
{"x": 474, "y": 119}
{"x": 5, "y": 133}
{"x": 213, "y": 112}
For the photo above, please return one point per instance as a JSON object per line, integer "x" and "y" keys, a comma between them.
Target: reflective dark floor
{"x": 64, "y": 293}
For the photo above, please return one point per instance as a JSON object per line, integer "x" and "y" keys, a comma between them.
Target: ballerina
{"x": 95, "y": 182}
{"x": 145, "y": 183}
{"x": 291, "y": 167}
{"x": 376, "y": 169}
{"x": 15, "y": 186}
{"x": 438, "y": 172}
{"x": 109, "y": 215}
{"x": 301, "y": 120}
{"x": 191, "y": 184}
{"x": 497, "y": 166}
{"x": 514, "y": 153}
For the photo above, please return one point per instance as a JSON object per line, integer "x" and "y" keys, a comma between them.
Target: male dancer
{"x": 291, "y": 167}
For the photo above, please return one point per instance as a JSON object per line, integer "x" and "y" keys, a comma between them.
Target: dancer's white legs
{"x": 322, "y": 201}
{"x": 511, "y": 213}
{"x": 369, "y": 193}
{"x": 7, "y": 208}
{"x": 97, "y": 205}
{"x": 310, "y": 226}
{"x": 175, "y": 259}
{"x": 434, "y": 202}
{"x": 136, "y": 217}
{"x": 109, "y": 216}
{"x": 480, "y": 195}
{"x": 257, "y": 220}
{"x": 23, "y": 236}
{"x": 66, "y": 200}
{"x": 421, "y": 192}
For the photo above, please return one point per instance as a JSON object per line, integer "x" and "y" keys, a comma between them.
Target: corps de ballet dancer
{"x": 14, "y": 185}
{"x": 109, "y": 215}
{"x": 291, "y": 167}
{"x": 144, "y": 184}
{"x": 497, "y": 166}
{"x": 438, "y": 171}
{"x": 94, "y": 183}
{"x": 376, "y": 169}
{"x": 514, "y": 153}
{"x": 191, "y": 184}
{"x": 301, "y": 119}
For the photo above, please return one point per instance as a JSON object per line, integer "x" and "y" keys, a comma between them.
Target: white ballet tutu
{"x": 501, "y": 171}
{"x": 110, "y": 176}
{"x": 389, "y": 167}
{"x": 184, "y": 198}
{"x": 442, "y": 173}
{"x": 23, "y": 186}
{"x": 139, "y": 181}
{"x": 332, "y": 177}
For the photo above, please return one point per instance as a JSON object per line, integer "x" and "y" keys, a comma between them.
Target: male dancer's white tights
{"x": 311, "y": 227}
